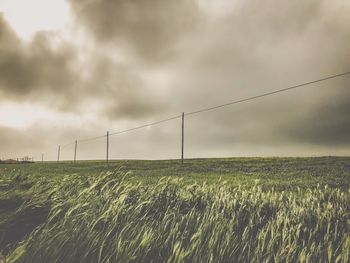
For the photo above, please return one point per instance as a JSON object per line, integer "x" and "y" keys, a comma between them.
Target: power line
{"x": 66, "y": 145}
{"x": 265, "y": 94}
{"x": 212, "y": 108}
{"x": 131, "y": 129}
{"x": 91, "y": 139}
{"x": 146, "y": 125}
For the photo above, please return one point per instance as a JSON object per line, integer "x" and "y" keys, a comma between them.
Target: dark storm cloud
{"x": 328, "y": 124}
{"x": 122, "y": 91}
{"x": 49, "y": 74}
{"x": 35, "y": 69}
{"x": 149, "y": 28}
{"x": 263, "y": 46}
{"x": 142, "y": 105}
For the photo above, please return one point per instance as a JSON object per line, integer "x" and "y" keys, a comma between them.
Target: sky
{"x": 75, "y": 69}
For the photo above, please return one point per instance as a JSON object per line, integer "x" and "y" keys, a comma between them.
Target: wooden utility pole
{"x": 107, "y": 145}
{"x": 42, "y": 158}
{"x": 182, "y": 138}
{"x": 58, "y": 153}
{"x": 75, "y": 151}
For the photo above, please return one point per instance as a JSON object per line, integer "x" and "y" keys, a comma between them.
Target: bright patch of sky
{"x": 27, "y": 17}
{"x": 22, "y": 115}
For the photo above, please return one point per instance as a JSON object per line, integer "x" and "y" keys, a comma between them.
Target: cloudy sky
{"x": 73, "y": 69}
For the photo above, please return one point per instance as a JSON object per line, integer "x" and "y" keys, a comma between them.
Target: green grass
{"x": 282, "y": 173}
{"x": 208, "y": 210}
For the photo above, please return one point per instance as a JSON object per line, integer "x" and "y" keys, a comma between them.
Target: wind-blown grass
{"x": 109, "y": 219}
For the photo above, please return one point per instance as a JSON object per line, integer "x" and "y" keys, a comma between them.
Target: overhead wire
{"x": 91, "y": 139}
{"x": 264, "y": 94}
{"x": 146, "y": 125}
{"x": 210, "y": 108}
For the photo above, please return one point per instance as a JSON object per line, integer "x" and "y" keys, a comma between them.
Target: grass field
{"x": 207, "y": 210}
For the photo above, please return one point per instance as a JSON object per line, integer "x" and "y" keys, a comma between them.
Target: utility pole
{"x": 182, "y": 138}
{"x": 107, "y": 145}
{"x": 75, "y": 151}
{"x": 58, "y": 153}
{"x": 42, "y": 158}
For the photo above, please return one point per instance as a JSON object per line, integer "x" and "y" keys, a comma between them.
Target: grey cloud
{"x": 37, "y": 71}
{"x": 326, "y": 125}
{"x": 49, "y": 75}
{"x": 268, "y": 45}
{"x": 149, "y": 28}
{"x": 123, "y": 92}
{"x": 139, "y": 107}
{"x": 25, "y": 69}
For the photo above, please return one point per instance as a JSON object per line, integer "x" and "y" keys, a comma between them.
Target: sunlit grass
{"x": 108, "y": 217}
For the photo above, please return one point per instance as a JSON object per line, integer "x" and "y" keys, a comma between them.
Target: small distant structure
{"x": 8, "y": 161}
{"x": 25, "y": 159}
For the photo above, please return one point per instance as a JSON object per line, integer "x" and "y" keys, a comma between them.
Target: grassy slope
{"x": 31, "y": 185}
